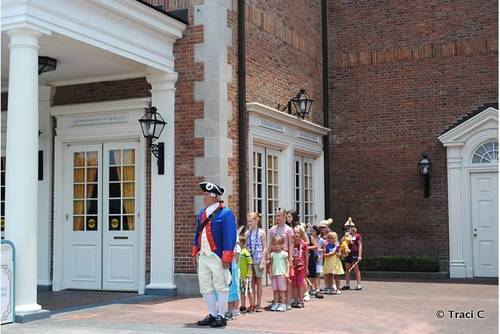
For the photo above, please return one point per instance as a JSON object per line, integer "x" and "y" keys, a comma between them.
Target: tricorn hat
{"x": 349, "y": 223}
{"x": 210, "y": 187}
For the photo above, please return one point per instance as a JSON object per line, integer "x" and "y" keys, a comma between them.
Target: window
{"x": 121, "y": 199}
{"x": 85, "y": 190}
{"x": 487, "y": 153}
{"x": 304, "y": 189}
{"x": 265, "y": 185}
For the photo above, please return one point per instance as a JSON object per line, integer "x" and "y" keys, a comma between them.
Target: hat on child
{"x": 349, "y": 223}
{"x": 326, "y": 222}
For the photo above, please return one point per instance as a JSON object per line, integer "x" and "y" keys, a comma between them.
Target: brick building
{"x": 386, "y": 81}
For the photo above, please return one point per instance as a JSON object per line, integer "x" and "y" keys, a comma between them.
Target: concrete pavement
{"x": 381, "y": 307}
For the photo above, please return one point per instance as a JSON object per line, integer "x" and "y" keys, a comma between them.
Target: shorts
{"x": 298, "y": 277}
{"x": 351, "y": 259}
{"x": 278, "y": 283}
{"x": 257, "y": 272}
{"x": 319, "y": 269}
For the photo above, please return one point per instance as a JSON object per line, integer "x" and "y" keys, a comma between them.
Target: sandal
{"x": 300, "y": 305}
{"x": 258, "y": 308}
{"x": 319, "y": 295}
{"x": 294, "y": 304}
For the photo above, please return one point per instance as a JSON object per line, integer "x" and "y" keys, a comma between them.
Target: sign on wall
{"x": 7, "y": 285}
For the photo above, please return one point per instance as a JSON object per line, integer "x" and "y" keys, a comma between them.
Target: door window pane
{"x": 121, "y": 201}
{"x": 85, "y": 191}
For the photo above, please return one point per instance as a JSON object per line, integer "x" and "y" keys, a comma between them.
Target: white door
{"x": 101, "y": 230}
{"x": 120, "y": 261}
{"x": 484, "y": 197}
{"x": 83, "y": 251}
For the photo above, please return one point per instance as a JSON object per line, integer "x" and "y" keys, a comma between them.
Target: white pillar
{"x": 21, "y": 196}
{"x": 162, "y": 189}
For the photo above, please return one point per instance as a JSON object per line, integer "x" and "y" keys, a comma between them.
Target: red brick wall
{"x": 102, "y": 91}
{"x": 283, "y": 52}
{"x": 187, "y": 147}
{"x": 400, "y": 74}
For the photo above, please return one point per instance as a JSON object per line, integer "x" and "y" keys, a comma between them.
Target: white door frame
{"x": 125, "y": 128}
{"x": 461, "y": 142}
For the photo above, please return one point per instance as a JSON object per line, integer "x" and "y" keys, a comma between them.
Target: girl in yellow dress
{"x": 333, "y": 265}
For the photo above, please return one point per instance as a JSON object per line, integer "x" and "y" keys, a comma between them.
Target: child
{"x": 279, "y": 274}
{"x": 234, "y": 288}
{"x": 333, "y": 265}
{"x": 317, "y": 254}
{"x": 257, "y": 246}
{"x": 246, "y": 277}
{"x": 356, "y": 247}
{"x": 300, "y": 267}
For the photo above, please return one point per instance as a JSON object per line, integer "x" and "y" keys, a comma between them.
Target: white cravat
{"x": 205, "y": 246}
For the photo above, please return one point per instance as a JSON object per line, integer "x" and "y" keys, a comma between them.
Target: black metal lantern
{"x": 301, "y": 105}
{"x": 46, "y": 64}
{"x": 425, "y": 170}
{"x": 152, "y": 125}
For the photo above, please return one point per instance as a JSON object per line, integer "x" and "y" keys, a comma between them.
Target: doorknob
{"x": 475, "y": 230}
{"x": 475, "y": 234}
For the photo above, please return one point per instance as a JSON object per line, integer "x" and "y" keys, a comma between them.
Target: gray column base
{"x": 161, "y": 292}
{"x": 187, "y": 285}
{"x": 27, "y": 317}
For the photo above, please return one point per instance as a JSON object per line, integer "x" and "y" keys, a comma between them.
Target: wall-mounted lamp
{"x": 46, "y": 64}
{"x": 425, "y": 170}
{"x": 152, "y": 125}
{"x": 301, "y": 104}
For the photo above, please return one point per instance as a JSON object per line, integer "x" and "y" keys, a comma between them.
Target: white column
{"x": 162, "y": 189}
{"x": 458, "y": 261}
{"x": 44, "y": 199}
{"x": 21, "y": 196}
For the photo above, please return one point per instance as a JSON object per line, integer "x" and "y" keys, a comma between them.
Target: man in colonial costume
{"x": 213, "y": 251}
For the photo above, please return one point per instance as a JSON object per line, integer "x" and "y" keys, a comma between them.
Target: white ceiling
{"x": 75, "y": 61}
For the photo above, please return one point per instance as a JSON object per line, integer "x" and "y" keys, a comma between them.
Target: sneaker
{"x": 346, "y": 287}
{"x": 300, "y": 305}
{"x": 275, "y": 307}
{"x": 334, "y": 291}
{"x": 288, "y": 307}
{"x": 243, "y": 309}
{"x": 319, "y": 295}
{"x": 307, "y": 297}
{"x": 338, "y": 292}
{"x": 258, "y": 308}
{"x": 294, "y": 304}
{"x": 358, "y": 287}
{"x": 269, "y": 306}
{"x": 228, "y": 316}
{"x": 236, "y": 312}
{"x": 281, "y": 308}
{"x": 312, "y": 293}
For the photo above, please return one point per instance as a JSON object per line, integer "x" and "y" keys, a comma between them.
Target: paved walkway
{"x": 382, "y": 307}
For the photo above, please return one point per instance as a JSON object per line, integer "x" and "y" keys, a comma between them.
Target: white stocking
{"x": 211, "y": 301}
{"x": 222, "y": 298}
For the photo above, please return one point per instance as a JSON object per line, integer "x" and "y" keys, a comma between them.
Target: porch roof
{"x": 94, "y": 38}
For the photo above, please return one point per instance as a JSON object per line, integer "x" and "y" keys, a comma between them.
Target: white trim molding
{"x": 461, "y": 142}
{"x": 273, "y": 129}
{"x": 99, "y": 131}
{"x": 124, "y": 27}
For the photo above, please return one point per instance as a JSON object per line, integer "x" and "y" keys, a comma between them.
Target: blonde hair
{"x": 278, "y": 240}
{"x": 333, "y": 235}
{"x": 257, "y": 216}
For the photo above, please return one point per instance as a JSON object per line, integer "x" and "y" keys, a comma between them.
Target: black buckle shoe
{"x": 209, "y": 319}
{"x": 218, "y": 322}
